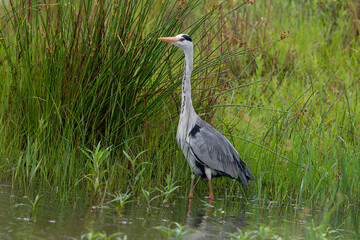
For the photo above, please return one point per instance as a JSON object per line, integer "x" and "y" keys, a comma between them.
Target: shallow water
{"x": 59, "y": 220}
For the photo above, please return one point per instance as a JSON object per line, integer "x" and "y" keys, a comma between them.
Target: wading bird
{"x": 207, "y": 151}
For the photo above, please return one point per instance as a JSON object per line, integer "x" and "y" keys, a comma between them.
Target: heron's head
{"x": 182, "y": 40}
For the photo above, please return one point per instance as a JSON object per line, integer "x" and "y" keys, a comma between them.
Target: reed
{"x": 80, "y": 73}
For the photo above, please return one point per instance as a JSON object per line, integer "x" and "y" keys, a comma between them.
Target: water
{"x": 207, "y": 220}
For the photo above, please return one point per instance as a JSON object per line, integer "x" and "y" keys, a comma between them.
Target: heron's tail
{"x": 244, "y": 175}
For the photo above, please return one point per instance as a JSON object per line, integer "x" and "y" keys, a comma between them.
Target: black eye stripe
{"x": 186, "y": 37}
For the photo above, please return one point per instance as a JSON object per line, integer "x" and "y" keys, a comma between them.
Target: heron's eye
{"x": 181, "y": 39}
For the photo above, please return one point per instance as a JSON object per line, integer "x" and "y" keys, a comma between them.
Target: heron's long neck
{"x": 186, "y": 102}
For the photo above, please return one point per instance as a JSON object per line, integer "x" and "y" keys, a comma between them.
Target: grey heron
{"x": 207, "y": 151}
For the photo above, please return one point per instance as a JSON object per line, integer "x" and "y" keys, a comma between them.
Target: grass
{"x": 89, "y": 98}
{"x": 93, "y": 76}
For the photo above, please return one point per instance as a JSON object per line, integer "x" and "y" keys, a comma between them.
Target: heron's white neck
{"x": 187, "y": 108}
{"x": 187, "y": 113}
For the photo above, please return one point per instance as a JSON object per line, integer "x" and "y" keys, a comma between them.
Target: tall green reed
{"x": 84, "y": 72}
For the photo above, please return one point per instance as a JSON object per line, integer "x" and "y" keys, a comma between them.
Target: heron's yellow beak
{"x": 169, "y": 39}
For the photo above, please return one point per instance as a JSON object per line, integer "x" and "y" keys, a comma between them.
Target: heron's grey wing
{"x": 212, "y": 149}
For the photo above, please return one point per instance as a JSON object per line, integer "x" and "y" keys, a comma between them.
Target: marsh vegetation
{"x": 89, "y": 103}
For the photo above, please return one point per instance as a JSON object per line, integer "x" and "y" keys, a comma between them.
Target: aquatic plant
{"x": 97, "y": 170}
{"x": 136, "y": 170}
{"x": 147, "y": 195}
{"x": 103, "y": 236}
{"x": 120, "y": 199}
{"x": 168, "y": 191}
{"x": 265, "y": 233}
{"x": 32, "y": 205}
{"x": 174, "y": 231}
{"x": 321, "y": 232}
{"x": 243, "y": 235}
{"x": 311, "y": 231}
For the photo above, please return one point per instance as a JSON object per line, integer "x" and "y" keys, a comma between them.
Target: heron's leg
{"x": 208, "y": 175}
{"x": 192, "y": 186}
{"x": 189, "y": 207}
{"x": 211, "y": 196}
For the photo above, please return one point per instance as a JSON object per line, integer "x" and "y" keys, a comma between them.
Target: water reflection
{"x": 212, "y": 222}
{"x": 59, "y": 220}
{"x": 211, "y": 219}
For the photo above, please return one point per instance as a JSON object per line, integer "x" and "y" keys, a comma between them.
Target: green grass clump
{"x": 311, "y": 85}
{"x": 75, "y": 74}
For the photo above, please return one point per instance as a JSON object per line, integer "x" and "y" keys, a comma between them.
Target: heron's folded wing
{"x": 212, "y": 149}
